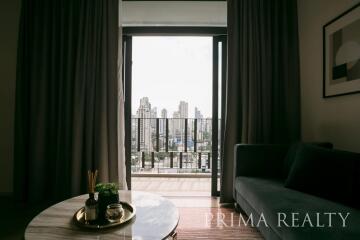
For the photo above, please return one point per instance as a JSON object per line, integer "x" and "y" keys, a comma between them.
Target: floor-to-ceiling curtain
{"x": 69, "y": 105}
{"x": 262, "y": 89}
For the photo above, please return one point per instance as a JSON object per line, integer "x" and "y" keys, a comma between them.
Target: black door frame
{"x": 215, "y": 107}
{"x": 219, "y": 34}
{"x": 126, "y": 78}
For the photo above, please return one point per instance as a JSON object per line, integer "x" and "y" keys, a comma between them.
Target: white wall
{"x": 173, "y": 13}
{"x": 334, "y": 119}
{"x": 9, "y": 20}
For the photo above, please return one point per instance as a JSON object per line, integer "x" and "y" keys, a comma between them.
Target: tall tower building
{"x": 144, "y": 114}
{"x": 200, "y": 122}
{"x": 154, "y": 112}
{"x": 153, "y": 118}
{"x": 162, "y": 122}
{"x": 164, "y": 113}
{"x": 176, "y": 127}
{"x": 198, "y": 114}
{"x": 144, "y": 102}
{"x": 183, "y": 112}
{"x": 183, "y": 109}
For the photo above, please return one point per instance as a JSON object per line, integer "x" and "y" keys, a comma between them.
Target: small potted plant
{"x": 108, "y": 194}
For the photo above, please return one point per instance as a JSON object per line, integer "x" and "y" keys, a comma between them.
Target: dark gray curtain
{"x": 262, "y": 91}
{"x": 66, "y": 97}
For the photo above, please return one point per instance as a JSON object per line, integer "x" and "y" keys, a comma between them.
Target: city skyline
{"x": 152, "y": 111}
{"x": 172, "y": 69}
{"x": 177, "y": 131}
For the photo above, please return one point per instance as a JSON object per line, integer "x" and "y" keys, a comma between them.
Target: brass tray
{"x": 129, "y": 213}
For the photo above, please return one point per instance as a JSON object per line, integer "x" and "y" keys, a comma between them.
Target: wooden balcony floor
{"x": 172, "y": 186}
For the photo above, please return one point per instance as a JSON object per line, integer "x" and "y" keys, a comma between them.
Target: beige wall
{"x": 334, "y": 119}
{"x": 9, "y": 21}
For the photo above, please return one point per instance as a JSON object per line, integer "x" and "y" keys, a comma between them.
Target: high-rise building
{"x": 198, "y": 114}
{"x": 164, "y": 113}
{"x": 144, "y": 113}
{"x": 183, "y": 109}
{"x": 153, "y": 118}
{"x": 133, "y": 133}
{"x": 200, "y": 122}
{"x": 176, "y": 124}
{"x": 154, "y": 112}
{"x": 144, "y": 102}
{"x": 183, "y": 113}
{"x": 162, "y": 122}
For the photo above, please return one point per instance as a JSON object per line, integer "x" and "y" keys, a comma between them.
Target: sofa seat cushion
{"x": 271, "y": 198}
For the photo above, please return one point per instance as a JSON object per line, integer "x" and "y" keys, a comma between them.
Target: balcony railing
{"x": 171, "y": 145}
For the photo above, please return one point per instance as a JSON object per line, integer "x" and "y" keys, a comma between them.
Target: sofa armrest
{"x": 260, "y": 160}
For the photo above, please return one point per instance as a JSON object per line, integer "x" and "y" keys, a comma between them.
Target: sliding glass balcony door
{"x": 173, "y": 88}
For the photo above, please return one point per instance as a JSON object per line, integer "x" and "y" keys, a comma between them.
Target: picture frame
{"x": 341, "y": 54}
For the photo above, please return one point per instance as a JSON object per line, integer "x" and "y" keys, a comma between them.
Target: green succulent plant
{"x": 107, "y": 189}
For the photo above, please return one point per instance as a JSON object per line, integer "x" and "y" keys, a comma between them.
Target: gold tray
{"x": 129, "y": 213}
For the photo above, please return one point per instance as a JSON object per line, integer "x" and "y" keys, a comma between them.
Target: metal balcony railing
{"x": 171, "y": 145}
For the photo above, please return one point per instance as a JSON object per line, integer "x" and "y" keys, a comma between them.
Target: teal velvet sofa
{"x": 291, "y": 192}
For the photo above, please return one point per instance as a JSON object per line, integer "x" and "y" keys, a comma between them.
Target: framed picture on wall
{"x": 341, "y": 54}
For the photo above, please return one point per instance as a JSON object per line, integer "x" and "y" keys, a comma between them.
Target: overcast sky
{"x": 172, "y": 69}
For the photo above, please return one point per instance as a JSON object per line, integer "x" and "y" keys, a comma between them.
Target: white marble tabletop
{"x": 156, "y": 218}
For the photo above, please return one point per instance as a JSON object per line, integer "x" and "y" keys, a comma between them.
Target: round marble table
{"x": 156, "y": 218}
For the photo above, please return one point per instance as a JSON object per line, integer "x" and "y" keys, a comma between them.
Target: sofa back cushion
{"x": 291, "y": 154}
{"x": 327, "y": 173}
{"x": 260, "y": 160}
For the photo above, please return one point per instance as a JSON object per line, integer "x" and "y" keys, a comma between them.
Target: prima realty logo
{"x": 289, "y": 220}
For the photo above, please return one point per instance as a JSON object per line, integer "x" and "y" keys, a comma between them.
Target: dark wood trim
{"x": 222, "y": 97}
{"x": 127, "y": 46}
{"x": 323, "y": 63}
{"x": 215, "y": 108}
{"x": 215, "y": 117}
{"x": 174, "y": 31}
{"x": 175, "y": 0}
